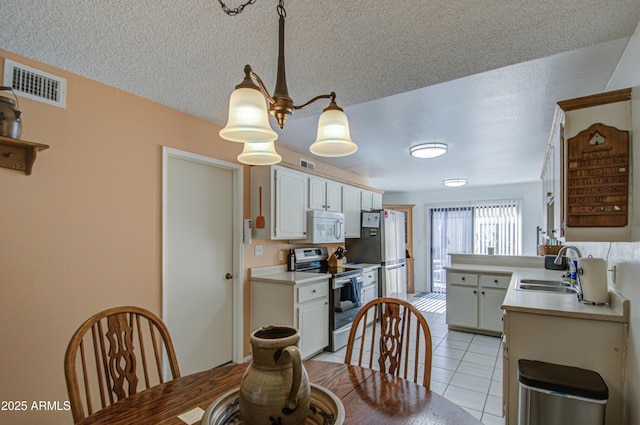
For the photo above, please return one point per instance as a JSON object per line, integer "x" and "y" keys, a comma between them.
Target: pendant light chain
{"x": 237, "y": 10}
{"x": 233, "y": 12}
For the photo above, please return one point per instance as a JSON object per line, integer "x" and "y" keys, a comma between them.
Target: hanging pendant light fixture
{"x": 248, "y": 120}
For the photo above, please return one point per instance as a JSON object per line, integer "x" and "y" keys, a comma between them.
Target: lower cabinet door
{"x": 314, "y": 327}
{"x": 490, "y": 308}
{"x": 462, "y": 306}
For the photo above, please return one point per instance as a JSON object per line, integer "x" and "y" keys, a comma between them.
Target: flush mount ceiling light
{"x": 457, "y": 182}
{"x": 248, "y": 120}
{"x": 428, "y": 150}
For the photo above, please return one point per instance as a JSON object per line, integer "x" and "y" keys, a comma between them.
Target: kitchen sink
{"x": 545, "y": 288}
{"x": 552, "y": 286}
{"x": 556, "y": 283}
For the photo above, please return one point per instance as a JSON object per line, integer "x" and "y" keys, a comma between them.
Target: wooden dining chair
{"x": 116, "y": 353}
{"x": 391, "y": 335}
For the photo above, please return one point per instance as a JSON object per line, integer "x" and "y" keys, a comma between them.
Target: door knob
{"x": 228, "y": 276}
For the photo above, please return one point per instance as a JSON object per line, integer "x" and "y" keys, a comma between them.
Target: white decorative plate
{"x": 325, "y": 409}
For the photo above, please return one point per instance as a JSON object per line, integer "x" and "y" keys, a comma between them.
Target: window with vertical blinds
{"x": 476, "y": 227}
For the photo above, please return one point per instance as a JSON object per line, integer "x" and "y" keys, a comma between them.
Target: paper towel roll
{"x": 593, "y": 280}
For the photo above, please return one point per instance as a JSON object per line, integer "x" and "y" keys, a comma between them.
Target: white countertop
{"x": 553, "y": 304}
{"x": 279, "y": 274}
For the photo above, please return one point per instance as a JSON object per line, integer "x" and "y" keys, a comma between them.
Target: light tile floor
{"x": 466, "y": 368}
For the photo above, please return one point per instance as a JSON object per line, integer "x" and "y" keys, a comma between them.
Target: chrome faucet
{"x": 558, "y": 259}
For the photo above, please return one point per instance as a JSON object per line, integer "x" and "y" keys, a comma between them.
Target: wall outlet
{"x": 280, "y": 255}
{"x": 257, "y": 250}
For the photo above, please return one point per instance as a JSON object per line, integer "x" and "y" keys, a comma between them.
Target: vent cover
{"x": 35, "y": 84}
{"x": 307, "y": 164}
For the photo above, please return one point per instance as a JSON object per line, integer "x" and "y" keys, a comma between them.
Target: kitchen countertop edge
{"x": 279, "y": 274}
{"x": 563, "y": 305}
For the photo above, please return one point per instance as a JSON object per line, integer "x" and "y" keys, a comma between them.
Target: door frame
{"x": 237, "y": 214}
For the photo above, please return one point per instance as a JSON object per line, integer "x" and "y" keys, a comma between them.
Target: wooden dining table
{"x": 369, "y": 397}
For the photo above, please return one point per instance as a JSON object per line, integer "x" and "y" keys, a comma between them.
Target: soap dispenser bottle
{"x": 573, "y": 270}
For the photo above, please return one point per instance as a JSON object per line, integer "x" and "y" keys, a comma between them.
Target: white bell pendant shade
{"x": 259, "y": 153}
{"x": 333, "y": 135}
{"x": 248, "y": 118}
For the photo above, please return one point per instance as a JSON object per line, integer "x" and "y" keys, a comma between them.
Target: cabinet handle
{"x": 314, "y": 291}
{"x": 482, "y": 292}
{"x": 495, "y": 280}
{"x": 463, "y": 278}
{"x": 475, "y": 292}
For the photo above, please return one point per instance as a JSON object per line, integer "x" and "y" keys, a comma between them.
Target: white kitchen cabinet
{"x": 370, "y": 288}
{"x": 304, "y": 306}
{"x": 376, "y": 200}
{"x": 370, "y": 200}
{"x": 462, "y": 299}
{"x": 490, "y": 311}
{"x": 325, "y": 195}
{"x": 552, "y": 192}
{"x": 284, "y": 202}
{"x": 366, "y": 200}
{"x": 351, "y": 210}
{"x": 313, "y": 322}
{"x": 592, "y": 344}
{"x": 474, "y": 300}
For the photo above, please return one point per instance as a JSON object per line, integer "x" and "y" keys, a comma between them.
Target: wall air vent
{"x": 35, "y": 84}
{"x": 307, "y": 164}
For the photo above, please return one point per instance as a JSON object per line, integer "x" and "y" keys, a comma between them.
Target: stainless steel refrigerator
{"x": 382, "y": 241}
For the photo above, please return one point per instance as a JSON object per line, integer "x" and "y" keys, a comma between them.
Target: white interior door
{"x": 198, "y": 293}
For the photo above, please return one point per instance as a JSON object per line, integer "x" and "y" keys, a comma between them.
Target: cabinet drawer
{"x": 495, "y": 281}
{"x": 311, "y": 292}
{"x": 370, "y": 278}
{"x": 458, "y": 278}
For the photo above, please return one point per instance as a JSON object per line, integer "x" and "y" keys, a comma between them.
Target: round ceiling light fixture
{"x": 457, "y": 182}
{"x": 428, "y": 150}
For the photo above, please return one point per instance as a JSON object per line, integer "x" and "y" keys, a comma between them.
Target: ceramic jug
{"x": 275, "y": 387}
{"x": 10, "y": 116}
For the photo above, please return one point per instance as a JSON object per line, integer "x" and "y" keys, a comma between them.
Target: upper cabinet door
{"x": 290, "y": 204}
{"x": 325, "y": 195}
{"x": 351, "y": 210}
{"x": 376, "y": 200}
{"x": 317, "y": 193}
{"x": 366, "y": 202}
{"x": 334, "y": 196}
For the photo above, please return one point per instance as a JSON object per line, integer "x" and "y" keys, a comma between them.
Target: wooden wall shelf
{"x": 17, "y": 154}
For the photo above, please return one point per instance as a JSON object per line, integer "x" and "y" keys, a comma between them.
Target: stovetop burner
{"x": 315, "y": 260}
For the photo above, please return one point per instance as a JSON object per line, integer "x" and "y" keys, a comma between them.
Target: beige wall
{"x": 83, "y": 232}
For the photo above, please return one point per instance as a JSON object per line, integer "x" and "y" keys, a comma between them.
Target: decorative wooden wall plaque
{"x": 598, "y": 177}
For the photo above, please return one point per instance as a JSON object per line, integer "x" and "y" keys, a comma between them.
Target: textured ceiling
{"x": 483, "y": 76}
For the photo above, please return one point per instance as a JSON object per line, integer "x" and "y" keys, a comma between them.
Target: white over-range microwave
{"x": 324, "y": 227}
